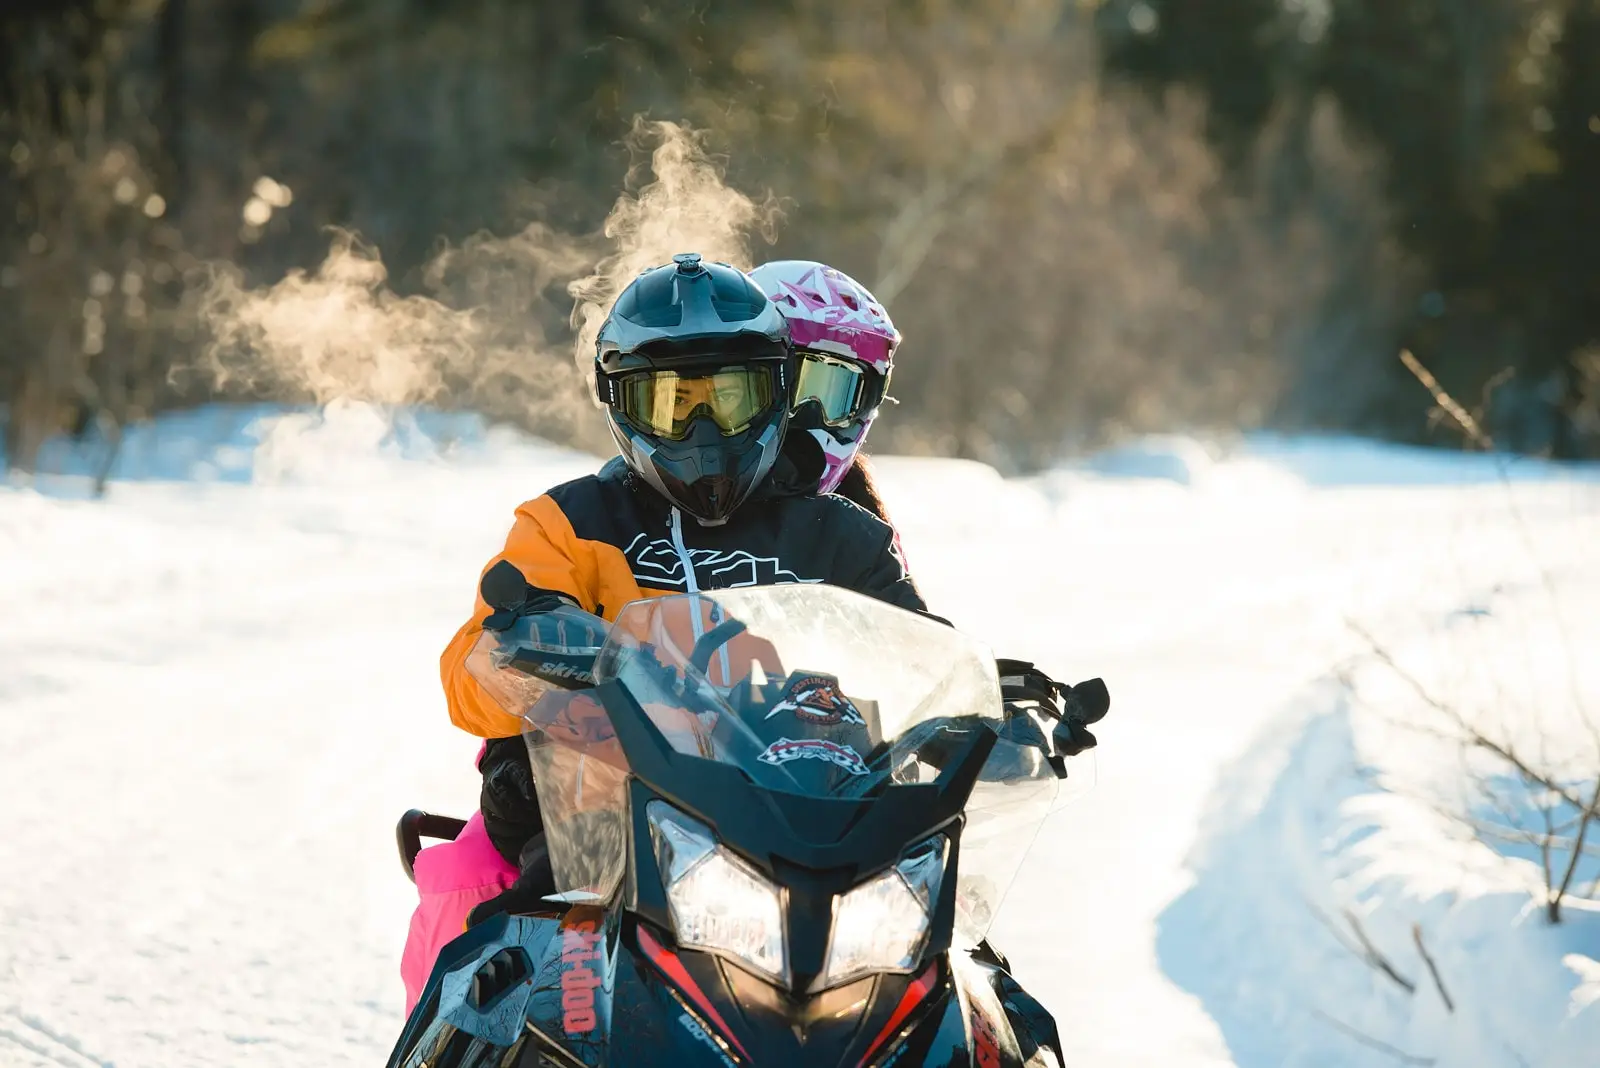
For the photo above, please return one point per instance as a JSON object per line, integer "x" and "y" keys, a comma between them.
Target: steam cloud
{"x": 340, "y": 333}
{"x": 686, "y": 209}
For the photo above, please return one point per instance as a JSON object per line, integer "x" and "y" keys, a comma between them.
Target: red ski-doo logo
{"x": 579, "y": 950}
{"x": 818, "y": 699}
{"x": 786, "y": 749}
{"x": 985, "y": 1040}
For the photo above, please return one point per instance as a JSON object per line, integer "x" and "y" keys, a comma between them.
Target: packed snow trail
{"x": 217, "y": 696}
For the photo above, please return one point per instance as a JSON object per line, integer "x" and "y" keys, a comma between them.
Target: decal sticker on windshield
{"x": 786, "y": 749}
{"x": 818, "y": 699}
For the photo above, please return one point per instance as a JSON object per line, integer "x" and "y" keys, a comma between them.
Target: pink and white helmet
{"x": 846, "y": 342}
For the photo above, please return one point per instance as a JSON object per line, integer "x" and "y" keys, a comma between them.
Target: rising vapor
{"x": 339, "y": 333}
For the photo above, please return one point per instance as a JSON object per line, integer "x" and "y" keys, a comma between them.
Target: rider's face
{"x": 693, "y": 392}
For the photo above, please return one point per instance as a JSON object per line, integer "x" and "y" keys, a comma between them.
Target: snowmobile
{"x": 778, "y": 821}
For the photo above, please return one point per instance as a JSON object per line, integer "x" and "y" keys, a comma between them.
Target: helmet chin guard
{"x": 707, "y": 475}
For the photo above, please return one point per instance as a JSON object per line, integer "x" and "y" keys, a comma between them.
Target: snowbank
{"x": 1359, "y": 848}
{"x": 274, "y": 444}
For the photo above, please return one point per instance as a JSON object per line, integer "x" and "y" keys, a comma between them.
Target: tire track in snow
{"x": 33, "y": 1036}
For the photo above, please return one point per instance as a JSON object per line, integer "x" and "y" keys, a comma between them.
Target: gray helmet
{"x": 695, "y": 369}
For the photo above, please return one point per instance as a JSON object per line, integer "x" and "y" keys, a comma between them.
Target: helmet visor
{"x": 838, "y": 386}
{"x": 666, "y": 403}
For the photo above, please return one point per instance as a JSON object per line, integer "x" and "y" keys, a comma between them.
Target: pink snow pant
{"x": 452, "y": 877}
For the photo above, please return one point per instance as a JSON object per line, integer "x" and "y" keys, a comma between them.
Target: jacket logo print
{"x": 656, "y": 563}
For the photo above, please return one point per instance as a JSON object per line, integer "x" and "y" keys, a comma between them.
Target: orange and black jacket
{"x": 607, "y": 539}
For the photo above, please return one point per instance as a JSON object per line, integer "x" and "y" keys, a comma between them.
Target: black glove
{"x": 507, "y": 591}
{"x": 540, "y": 633}
{"x": 509, "y": 803}
{"x": 1073, "y": 707}
{"x": 1072, "y": 738}
{"x": 527, "y": 894}
{"x": 1087, "y": 702}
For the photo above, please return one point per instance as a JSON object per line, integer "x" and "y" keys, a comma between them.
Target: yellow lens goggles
{"x": 667, "y": 403}
{"x": 838, "y": 386}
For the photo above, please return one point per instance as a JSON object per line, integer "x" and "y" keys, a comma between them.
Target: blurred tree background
{"x": 1089, "y": 218}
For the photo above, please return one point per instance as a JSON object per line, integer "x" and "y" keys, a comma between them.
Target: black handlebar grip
{"x": 417, "y": 824}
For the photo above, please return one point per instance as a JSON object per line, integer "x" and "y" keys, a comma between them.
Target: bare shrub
{"x": 90, "y": 268}
{"x": 1533, "y": 791}
{"x": 1069, "y": 261}
{"x": 1586, "y": 419}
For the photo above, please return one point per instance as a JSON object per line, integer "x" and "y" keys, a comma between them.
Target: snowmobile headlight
{"x": 881, "y": 925}
{"x": 718, "y": 902}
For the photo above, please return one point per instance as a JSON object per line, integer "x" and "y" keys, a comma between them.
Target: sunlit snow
{"x": 218, "y": 690}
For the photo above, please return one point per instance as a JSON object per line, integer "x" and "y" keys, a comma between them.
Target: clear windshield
{"x": 807, "y": 689}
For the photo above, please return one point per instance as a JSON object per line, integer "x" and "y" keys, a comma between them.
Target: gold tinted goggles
{"x": 666, "y": 403}
{"x": 844, "y": 390}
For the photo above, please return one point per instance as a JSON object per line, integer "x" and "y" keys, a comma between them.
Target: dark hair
{"x": 858, "y": 487}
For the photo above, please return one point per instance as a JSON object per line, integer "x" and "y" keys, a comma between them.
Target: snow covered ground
{"x": 218, "y": 689}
